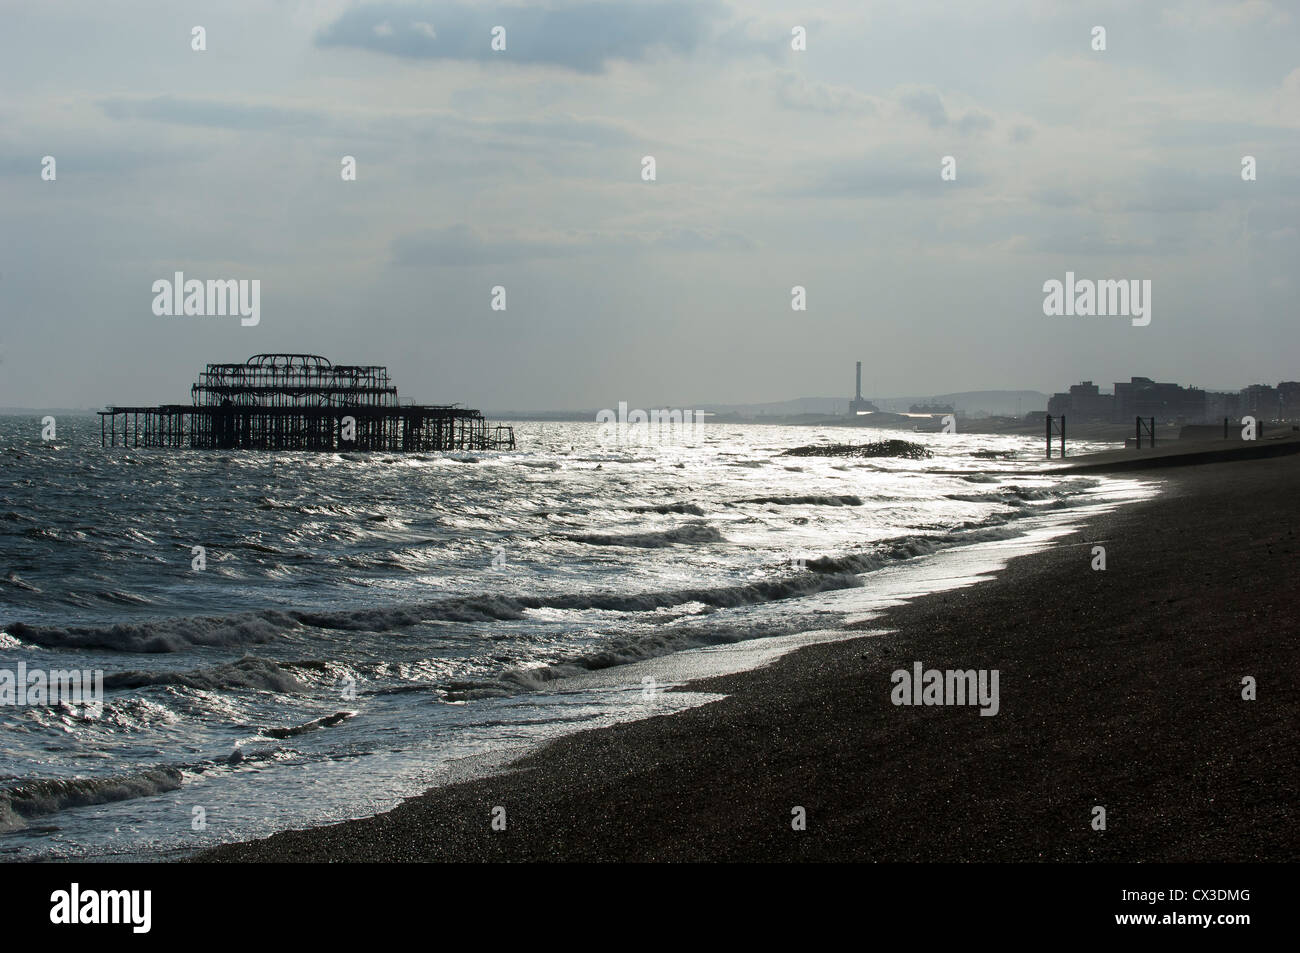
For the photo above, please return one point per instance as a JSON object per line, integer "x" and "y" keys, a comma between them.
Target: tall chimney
{"x": 859, "y": 390}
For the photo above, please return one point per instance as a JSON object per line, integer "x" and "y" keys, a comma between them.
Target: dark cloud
{"x": 973, "y": 123}
{"x": 926, "y": 104}
{"x": 582, "y": 36}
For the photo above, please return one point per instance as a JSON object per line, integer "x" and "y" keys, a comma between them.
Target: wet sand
{"x": 1120, "y": 688}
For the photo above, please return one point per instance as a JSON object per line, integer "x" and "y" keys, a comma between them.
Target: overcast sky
{"x": 522, "y": 169}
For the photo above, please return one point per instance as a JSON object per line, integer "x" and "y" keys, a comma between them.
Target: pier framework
{"x": 300, "y": 402}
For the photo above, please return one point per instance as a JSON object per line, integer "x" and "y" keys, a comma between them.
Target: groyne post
{"x": 1150, "y": 429}
{"x": 1058, "y": 427}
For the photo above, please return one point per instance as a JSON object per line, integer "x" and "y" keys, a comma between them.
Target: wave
{"x": 684, "y": 509}
{"x": 249, "y": 672}
{"x": 694, "y": 533}
{"x": 908, "y": 547}
{"x": 122, "y": 598}
{"x": 160, "y": 635}
{"x": 514, "y": 608}
{"x": 824, "y": 573}
{"x": 49, "y": 796}
{"x": 167, "y": 635}
{"x": 834, "y": 500}
{"x": 1011, "y": 495}
{"x": 329, "y": 721}
{"x": 621, "y": 651}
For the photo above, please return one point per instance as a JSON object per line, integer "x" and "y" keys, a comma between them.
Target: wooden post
{"x": 1062, "y": 436}
{"x": 1049, "y": 436}
{"x": 1139, "y": 433}
{"x": 1152, "y": 433}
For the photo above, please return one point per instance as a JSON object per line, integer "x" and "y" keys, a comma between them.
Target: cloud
{"x": 928, "y": 105}
{"x": 200, "y": 112}
{"x": 883, "y": 176}
{"x": 580, "y": 36}
{"x": 795, "y": 91}
{"x": 973, "y": 123}
{"x": 461, "y": 245}
{"x": 1216, "y": 13}
{"x": 1287, "y": 99}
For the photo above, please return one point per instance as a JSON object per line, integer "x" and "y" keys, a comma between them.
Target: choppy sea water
{"x": 368, "y": 625}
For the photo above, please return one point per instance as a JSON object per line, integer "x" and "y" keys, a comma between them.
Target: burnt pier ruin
{"x": 300, "y": 402}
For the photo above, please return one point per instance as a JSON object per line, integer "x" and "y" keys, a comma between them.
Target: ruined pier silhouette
{"x": 300, "y": 402}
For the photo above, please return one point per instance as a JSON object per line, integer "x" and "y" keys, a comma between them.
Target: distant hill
{"x": 970, "y": 403}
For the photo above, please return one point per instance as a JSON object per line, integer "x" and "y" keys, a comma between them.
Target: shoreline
{"x": 1103, "y": 702}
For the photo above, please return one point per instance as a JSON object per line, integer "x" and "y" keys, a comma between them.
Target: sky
{"x": 522, "y": 168}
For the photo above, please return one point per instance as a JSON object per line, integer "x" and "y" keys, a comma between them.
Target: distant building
{"x": 1084, "y": 401}
{"x": 1143, "y": 397}
{"x": 858, "y": 405}
{"x": 1219, "y": 404}
{"x": 931, "y": 409}
{"x": 1172, "y": 403}
{"x": 1260, "y": 400}
{"x": 1288, "y": 393}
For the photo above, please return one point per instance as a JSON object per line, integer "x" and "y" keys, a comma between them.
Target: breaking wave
{"x": 694, "y": 534}
{"x": 841, "y": 500}
{"x": 249, "y": 672}
{"x": 35, "y": 798}
{"x": 160, "y": 635}
{"x": 175, "y": 634}
{"x": 684, "y": 509}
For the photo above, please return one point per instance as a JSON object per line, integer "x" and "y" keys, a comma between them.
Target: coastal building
{"x": 1083, "y": 401}
{"x": 1262, "y": 401}
{"x": 1143, "y": 397}
{"x": 1288, "y": 393}
{"x": 1173, "y": 403}
{"x": 1220, "y": 404}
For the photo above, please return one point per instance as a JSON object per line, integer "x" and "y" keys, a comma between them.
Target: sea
{"x": 289, "y": 639}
